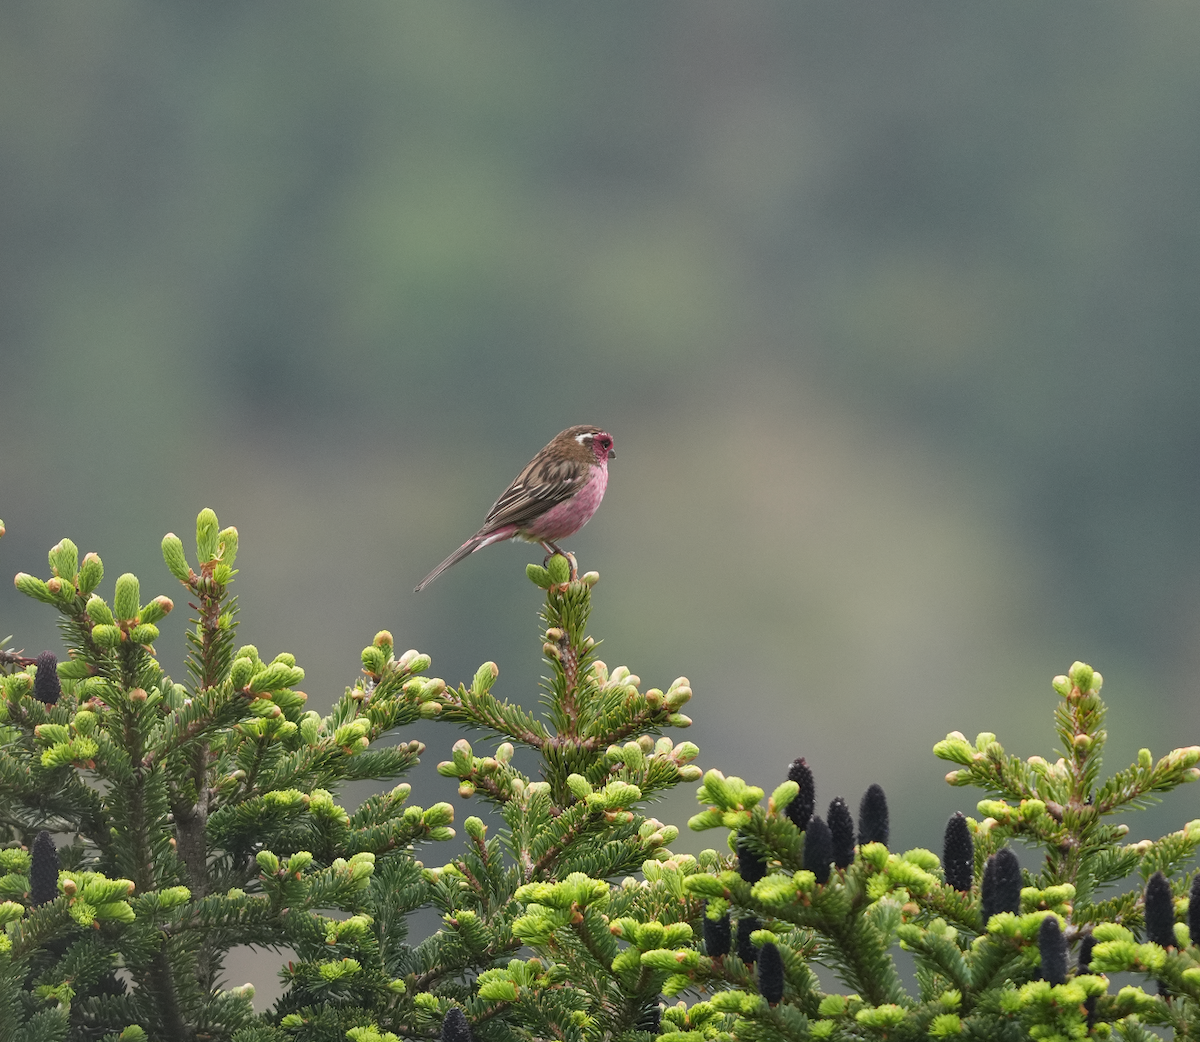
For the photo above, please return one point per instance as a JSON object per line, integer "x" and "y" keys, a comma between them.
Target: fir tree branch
{"x": 169, "y": 1012}
{"x": 585, "y": 823}
{"x": 9, "y": 657}
{"x": 503, "y": 718}
{"x": 207, "y": 713}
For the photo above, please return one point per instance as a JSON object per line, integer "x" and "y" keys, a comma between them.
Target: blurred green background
{"x": 892, "y": 310}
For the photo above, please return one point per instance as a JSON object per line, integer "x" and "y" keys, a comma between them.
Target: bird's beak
{"x": 611, "y": 454}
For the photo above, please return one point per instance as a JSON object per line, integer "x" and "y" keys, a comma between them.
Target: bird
{"x": 553, "y": 497}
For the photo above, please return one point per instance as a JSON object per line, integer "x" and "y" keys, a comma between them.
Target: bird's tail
{"x": 468, "y": 548}
{"x": 479, "y": 539}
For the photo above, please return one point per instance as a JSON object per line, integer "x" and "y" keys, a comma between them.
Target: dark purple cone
{"x": 1001, "y": 889}
{"x": 841, "y": 832}
{"x": 718, "y": 935}
{"x": 455, "y": 1027}
{"x": 818, "y": 849}
{"x": 46, "y": 687}
{"x": 987, "y": 890}
{"x": 873, "y": 817}
{"x": 770, "y": 973}
{"x": 958, "y": 854}
{"x": 1052, "y": 946}
{"x": 746, "y": 950}
{"x": 1160, "y": 911}
{"x": 1086, "y": 944}
{"x": 1194, "y": 910}
{"x": 801, "y": 808}
{"x": 751, "y": 866}
{"x": 43, "y": 872}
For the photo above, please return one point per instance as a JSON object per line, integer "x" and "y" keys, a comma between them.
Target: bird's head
{"x": 600, "y": 442}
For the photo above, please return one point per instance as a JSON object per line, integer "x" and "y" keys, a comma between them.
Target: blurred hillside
{"x": 892, "y": 310}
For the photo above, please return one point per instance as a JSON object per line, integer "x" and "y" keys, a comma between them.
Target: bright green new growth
{"x": 180, "y": 804}
{"x": 204, "y": 816}
{"x": 974, "y": 979}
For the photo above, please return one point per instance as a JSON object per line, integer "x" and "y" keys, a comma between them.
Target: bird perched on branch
{"x": 553, "y": 497}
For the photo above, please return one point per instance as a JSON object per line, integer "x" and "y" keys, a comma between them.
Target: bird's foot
{"x": 552, "y": 551}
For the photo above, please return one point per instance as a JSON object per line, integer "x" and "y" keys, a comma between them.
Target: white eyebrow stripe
{"x": 581, "y": 438}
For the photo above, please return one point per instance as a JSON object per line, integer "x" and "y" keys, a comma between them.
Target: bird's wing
{"x": 544, "y": 483}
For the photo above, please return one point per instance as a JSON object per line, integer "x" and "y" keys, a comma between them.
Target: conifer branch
{"x": 163, "y": 988}
{"x": 9, "y": 658}
{"x": 504, "y": 718}
{"x": 242, "y": 777}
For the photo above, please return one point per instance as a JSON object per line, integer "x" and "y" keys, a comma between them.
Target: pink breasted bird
{"x": 553, "y": 497}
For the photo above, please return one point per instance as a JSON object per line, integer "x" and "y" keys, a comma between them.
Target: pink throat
{"x": 570, "y": 516}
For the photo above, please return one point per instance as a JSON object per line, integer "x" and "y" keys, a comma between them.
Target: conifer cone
{"x": 873, "y": 817}
{"x": 958, "y": 853}
{"x": 770, "y": 973}
{"x": 987, "y": 890}
{"x": 718, "y": 935}
{"x": 1086, "y": 944}
{"x": 455, "y": 1027}
{"x": 841, "y": 831}
{"x": 751, "y": 866}
{"x": 746, "y": 950}
{"x": 1001, "y": 889}
{"x": 818, "y": 849}
{"x": 43, "y": 872}
{"x": 46, "y": 687}
{"x": 801, "y": 808}
{"x": 1160, "y": 911}
{"x": 1160, "y": 917}
{"x": 1052, "y": 946}
{"x": 1194, "y": 910}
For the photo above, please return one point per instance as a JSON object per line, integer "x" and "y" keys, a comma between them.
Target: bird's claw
{"x": 570, "y": 560}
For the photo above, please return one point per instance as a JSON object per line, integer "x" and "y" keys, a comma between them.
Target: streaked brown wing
{"x": 541, "y": 485}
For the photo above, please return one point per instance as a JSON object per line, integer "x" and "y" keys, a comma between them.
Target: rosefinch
{"x": 553, "y": 497}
